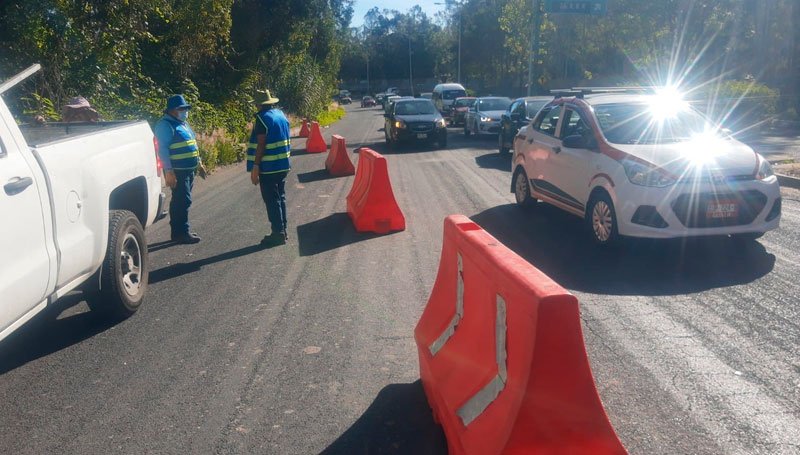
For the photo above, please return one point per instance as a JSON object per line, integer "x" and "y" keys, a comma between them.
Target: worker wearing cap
{"x": 268, "y": 162}
{"x": 180, "y": 157}
{"x": 78, "y": 109}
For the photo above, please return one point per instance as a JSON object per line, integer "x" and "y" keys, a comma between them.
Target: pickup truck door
{"x": 25, "y": 263}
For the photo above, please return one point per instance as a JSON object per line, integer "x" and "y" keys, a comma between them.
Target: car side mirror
{"x": 576, "y": 141}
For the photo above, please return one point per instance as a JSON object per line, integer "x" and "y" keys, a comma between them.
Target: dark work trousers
{"x": 180, "y": 202}
{"x": 274, "y": 194}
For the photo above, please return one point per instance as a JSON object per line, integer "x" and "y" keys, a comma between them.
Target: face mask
{"x": 183, "y": 115}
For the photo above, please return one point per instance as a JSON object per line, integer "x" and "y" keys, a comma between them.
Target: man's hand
{"x": 202, "y": 171}
{"x": 171, "y": 180}
{"x": 254, "y": 175}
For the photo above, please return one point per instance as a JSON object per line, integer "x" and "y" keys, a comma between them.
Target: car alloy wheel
{"x": 602, "y": 220}
{"x": 522, "y": 190}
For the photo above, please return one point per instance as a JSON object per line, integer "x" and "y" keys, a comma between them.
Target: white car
{"x": 643, "y": 165}
{"x": 483, "y": 117}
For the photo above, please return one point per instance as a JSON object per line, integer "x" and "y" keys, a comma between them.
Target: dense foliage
{"x": 127, "y": 56}
{"x": 743, "y": 50}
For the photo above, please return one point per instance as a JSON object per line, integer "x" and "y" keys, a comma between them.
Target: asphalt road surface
{"x": 308, "y": 347}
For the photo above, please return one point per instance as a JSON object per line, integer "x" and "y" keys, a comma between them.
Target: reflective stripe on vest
{"x": 183, "y": 150}
{"x": 277, "y": 149}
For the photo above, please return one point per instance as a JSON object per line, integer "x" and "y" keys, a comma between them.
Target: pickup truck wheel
{"x": 123, "y": 276}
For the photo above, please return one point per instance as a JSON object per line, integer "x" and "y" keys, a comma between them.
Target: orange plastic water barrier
{"x": 371, "y": 204}
{"x": 304, "y": 129}
{"x": 501, "y": 355}
{"x": 315, "y": 143}
{"x": 338, "y": 162}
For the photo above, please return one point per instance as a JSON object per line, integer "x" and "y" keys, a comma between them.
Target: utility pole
{"x": 460, "y": 27}
{"x": 410, "y": 76}
{"x": 368, "y": 90}
{"x": 534, "y": 54}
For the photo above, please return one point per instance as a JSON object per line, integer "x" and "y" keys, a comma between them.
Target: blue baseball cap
{"x": 177, "y": 102}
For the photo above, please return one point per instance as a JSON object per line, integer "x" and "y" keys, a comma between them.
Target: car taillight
{"x": 158, "y": 158}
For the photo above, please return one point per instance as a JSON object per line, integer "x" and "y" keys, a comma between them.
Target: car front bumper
{"x": 699, "y": 209}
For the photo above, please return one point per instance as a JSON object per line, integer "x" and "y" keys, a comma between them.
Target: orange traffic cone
{"x": 315, "y": 143}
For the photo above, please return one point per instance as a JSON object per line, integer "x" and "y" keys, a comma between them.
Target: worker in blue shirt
{"x": 180, "y": 157}
{"x": 268, "y": 162}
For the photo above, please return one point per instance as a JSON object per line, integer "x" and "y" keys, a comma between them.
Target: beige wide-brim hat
{"x": 265, "y": 97}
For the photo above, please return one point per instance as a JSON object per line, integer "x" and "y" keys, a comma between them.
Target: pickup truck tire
{"x": 124, "y": 273}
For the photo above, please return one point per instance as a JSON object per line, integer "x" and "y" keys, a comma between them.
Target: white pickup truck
{"x": 75, "y": 200}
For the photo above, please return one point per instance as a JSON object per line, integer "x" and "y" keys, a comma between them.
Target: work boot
{"x": 187, "y": 239}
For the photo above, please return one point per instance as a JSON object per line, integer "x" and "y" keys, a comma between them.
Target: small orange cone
{"x": 304, "y": 128}
{"x": 315, "y": 143}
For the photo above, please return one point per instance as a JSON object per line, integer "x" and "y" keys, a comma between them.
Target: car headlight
{"x": 644, "y": 175}
{"x": 400, "y": 124}
{"x": 485, "y": 119}
{"x": 440, "y": 123}
{"x": 764, "y": 169}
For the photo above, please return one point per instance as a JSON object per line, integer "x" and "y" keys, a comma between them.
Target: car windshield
{"x": 533, "y": 107}
{"x": 494, "y": 104}
{"x": 465, "y": 102}
{"x": 453, "y": 94}
{"x": 415, "y": 108}
{"x": 644, "y": 124}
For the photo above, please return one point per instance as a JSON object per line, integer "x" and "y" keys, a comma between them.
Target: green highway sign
{"x": 597, "y": 7}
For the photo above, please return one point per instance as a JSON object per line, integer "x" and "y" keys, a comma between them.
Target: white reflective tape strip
{"x": 451, "y": 328}
{"x": 481, "y": 400}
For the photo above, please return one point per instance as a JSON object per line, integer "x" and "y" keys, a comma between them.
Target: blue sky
{"x": 362, "y": 6}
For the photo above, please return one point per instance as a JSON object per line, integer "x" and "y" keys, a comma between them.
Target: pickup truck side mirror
{"x": 576, "y": 141}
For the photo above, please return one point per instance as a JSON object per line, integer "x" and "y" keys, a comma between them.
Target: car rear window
{"x": 453, "y": 94}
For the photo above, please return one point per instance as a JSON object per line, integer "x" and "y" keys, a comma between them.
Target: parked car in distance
{"x": 484, "y": 116}
{"x": 367, "y": 101}
{"x": 519, "y": 113}
{"x": 77, "y": 199}
{"x": 425, "y": 95}
{"x": 444, "y": 95}
{"x": 459, "y": 111}
{"x": 643, "y": 165}
{"x": 379, "y": 98}
{"x": 414, "y": 119}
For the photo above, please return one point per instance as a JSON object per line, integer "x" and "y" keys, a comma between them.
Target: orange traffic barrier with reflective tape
{"x": 371, "y": 204}
{"x": 338, "y": 162}
{"x": 304, "y": 128}
{"x": 315, "y": 143}
{"x": 501, "y": 355}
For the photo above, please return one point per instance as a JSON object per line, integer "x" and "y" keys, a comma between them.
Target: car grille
{"x": 420, "y": 127}
{"x": 715, "y": 179}
{"x": 691, "y": 208}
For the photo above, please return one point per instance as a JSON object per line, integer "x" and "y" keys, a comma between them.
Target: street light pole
{"x": 410, "y": 76}
{"x": 534, "y": 54}
{"x": 460, "y": 26}
{"x": 368, "y": 90}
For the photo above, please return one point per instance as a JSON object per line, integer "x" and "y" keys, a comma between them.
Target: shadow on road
{"x": 333, "y": 231}
{"x": 302, "y": 151}
{"x": 153, "y": 247}
{"x": 501, "y": 162}
{"x": 46, "y": 333}
{"x": 557, "y": 244}
{"x": 315, "y": 176}
{"x": 182, "y": 268}
{"x": 399, "y": 420}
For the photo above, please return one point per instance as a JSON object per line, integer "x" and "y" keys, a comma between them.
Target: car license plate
{"x": 721, "y": 210}
{"x": 421, "y": 135}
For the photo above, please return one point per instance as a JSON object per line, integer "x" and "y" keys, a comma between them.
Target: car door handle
{"x": 17, "y": 185}
{"x": 557, "y": 149}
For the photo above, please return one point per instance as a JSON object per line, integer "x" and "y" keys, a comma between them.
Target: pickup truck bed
{"x": 49, "y": 133}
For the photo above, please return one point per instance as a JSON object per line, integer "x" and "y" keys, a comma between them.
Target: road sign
{"x": 596, "y": 7}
